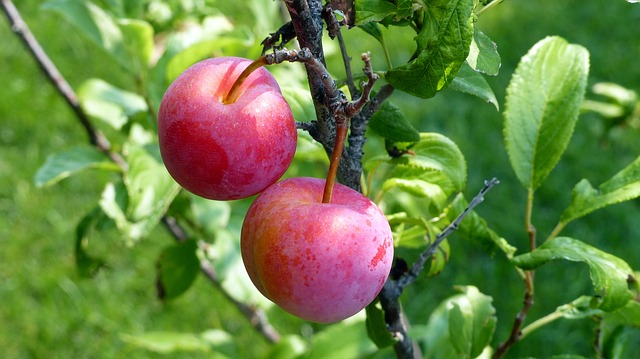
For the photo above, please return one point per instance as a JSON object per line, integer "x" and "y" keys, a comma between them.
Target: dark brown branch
{"x": 20, "y": 28}
{"x": 256, "y": 316}
{"x": 516, "y": 330}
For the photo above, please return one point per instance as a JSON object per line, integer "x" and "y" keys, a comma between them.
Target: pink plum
{"x": 225, "y": 151}
{"x": 320, "y": 262}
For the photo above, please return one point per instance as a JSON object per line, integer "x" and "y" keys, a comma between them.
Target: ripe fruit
{"x": 225, "y": 151}
{"x": 322, "y": 262}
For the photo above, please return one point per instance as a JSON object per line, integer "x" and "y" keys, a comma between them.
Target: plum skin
{"x": 320, "y": 262}
{"x": 225, "y": 152}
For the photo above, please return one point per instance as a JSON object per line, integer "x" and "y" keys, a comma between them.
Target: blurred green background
{"x": 47, "y": 310}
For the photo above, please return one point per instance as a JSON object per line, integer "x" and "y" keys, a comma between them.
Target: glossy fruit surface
{"x": 320, "y": 262}
{"x": 225, "y": 151}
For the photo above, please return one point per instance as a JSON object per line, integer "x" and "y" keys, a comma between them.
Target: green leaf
{"x": 443, "y": 49}
{"x": 108, "y": 103}
{"x": 483, "y": 54}
{"x": 86, "y": 264}
{"x": 472, "y": 322}
{"x": 581, "y": 308}
{"x": 373, "y": 29}
{"x": 609, "y": 274}
{"x": 435, "y": 170}
{"x": 462, "y": 326}
{"x": 377, "y": 327}
{"x": 625, "y": 344}
{"x": 471, "y": 82}
{"x": 62, "y": 165}
{"x": 138, "y": 40}
{"x": 542, "y": 106}
{"x": 623, "y": 186}
{"x": 378, "y": 10}
{"x": 475, "y": 228}
{"x": 390, "y": 123}
{"x": 161, "y": 342}
{"x": 178, "y": 267}
{"x": 347, "y": 339}
{"x": 288, "y": 347}
{"x": 138, "y": 204}
{"x": 98, "y": 25}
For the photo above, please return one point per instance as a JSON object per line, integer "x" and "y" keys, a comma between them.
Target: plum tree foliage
{"x": 417, "y": 179}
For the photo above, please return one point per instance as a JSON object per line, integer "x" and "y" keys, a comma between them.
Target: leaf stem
{"x": 540, "y": 323}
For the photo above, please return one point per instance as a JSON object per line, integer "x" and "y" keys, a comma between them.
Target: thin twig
{"x": 257, "y": 318}
{"x": 417, "y": 267}
{"x": 393, "y": 288}
{"x": 527, "y": 302}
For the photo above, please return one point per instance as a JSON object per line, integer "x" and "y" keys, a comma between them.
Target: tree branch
{"x": 256, "y": 316}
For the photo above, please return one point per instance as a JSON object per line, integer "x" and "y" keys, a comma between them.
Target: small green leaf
{"x": 623, "y": 186}
{"x": 476, "y": 228}
{"x": 609, "y": 274}
{"x": 442, "y": 50}
{"x": 62, "y": 165}
{"x": 377, "y": 327}
{"x": 471, "y": 82}
{"x": 472, "y": 322}
{"x": 108, "y": 103}
{"x": 483, "y": 54}
{"x": 583, "y": 307}
{"x": 178, "y": 267}
{"x": 86, "y": 264}
{"x": 542, "y": 106}
{"x": 615, "y": 322}
{"x": 390, "y": 123}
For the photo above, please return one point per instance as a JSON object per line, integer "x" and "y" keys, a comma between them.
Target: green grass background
{"x": 47, "y": 311}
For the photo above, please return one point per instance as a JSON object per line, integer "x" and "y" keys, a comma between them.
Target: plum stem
{"x": 278, "y": 56}
{"x": 341, "y": 134}
{"x": 234, "y": 92}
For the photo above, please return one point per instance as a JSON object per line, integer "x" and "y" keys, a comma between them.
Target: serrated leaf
{"x": 542, "y": 106}
{"x": 59, "y": 166}
{"x": 377, "y": 327}
{"x": 471, "y": 82}
{"x": 472, "y": 322}
{"x": 442, "y": 51}
{"x": 177, "y": 268}
{"x": 483, "y": 54}
{"x": 475, "y": 227}
{"x": 609, "y": 274}
{"x": 378, "y": 10}
{"x": 108, "y": 103}
{"x": 623, "y": 186}
{"x": 390, "y": 123}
